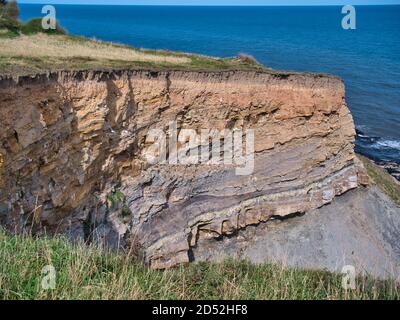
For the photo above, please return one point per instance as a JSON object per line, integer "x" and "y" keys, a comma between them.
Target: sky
{"x": 216, "y": 2}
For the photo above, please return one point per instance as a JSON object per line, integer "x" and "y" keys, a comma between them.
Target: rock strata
{"x": 73, "y": 155}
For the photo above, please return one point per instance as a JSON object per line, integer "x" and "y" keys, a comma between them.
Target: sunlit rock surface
{"x": 72, "y": 155}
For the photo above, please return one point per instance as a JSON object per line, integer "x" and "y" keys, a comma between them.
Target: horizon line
{"x": 209, "y": 5}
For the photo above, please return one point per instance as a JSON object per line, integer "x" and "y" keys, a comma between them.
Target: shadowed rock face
{"x": 72, "y": 155}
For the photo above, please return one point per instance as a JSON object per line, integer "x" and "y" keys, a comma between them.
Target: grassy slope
{"x": 25, "y": 49}
{"x": 89, "y": 273}
{"x": 382, "y": 179}
{"x": 35, "y": 53}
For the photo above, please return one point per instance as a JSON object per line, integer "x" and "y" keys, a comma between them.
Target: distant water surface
{"x": 289, "y": 38}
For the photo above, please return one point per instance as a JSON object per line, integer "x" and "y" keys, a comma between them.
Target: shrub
{"x": 10, "y": 25}
{"x": 10, "y": 9}
{"x": 2, "y": 6}
{"x": 126, "y": 211}
{"x": 115, "y": 198}
{"x": 7, "y": 23}
{"x": 35, "y": 26}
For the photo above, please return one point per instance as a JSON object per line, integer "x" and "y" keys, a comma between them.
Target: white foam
{"x": 393, "y": 144}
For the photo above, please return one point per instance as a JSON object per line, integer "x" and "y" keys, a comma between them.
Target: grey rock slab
{"x": 360, "y": 228}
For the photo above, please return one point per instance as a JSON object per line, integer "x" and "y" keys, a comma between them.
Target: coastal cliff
{"x": 73, "y": 155}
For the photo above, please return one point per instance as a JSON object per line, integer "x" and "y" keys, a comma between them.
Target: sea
{"x": 297, "y": 38}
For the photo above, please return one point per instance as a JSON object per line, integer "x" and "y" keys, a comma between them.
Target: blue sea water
{"x": 288, "y": 38}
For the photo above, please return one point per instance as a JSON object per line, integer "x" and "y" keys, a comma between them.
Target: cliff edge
{"x": 74, "y": 154}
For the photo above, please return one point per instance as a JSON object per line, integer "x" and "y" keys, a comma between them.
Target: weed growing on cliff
{"x": 126, "y": 211}
{"x": 117, "y": 201}
{"x": 87, "y": 272}
{"x": 115, "y": 198}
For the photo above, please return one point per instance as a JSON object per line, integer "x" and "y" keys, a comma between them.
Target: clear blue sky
{"x": 216, "y": 2}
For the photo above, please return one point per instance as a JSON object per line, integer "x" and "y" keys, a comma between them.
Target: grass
{"x": 31, "y": 53}
{"x": 27, "y": 49}
{"x": 382, "y": 179}
{"x": 87, "y": 272}
{"x": 115, "y": 198}
{"x": 41, "y": 45}
{"x": 34, "y": 26}
{"x": 9, "y": 27}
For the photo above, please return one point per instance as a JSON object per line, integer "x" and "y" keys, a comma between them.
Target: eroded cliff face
{"x": 72, "y": 155}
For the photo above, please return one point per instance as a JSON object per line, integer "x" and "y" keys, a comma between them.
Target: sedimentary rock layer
{"x": 360, "y": 228}
{"x": 73, "y": 155}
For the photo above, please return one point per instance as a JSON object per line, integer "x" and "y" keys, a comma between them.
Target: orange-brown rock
{"x": 73, "y": 142}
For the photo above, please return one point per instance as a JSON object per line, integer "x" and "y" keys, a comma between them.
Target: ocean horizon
{"x": 295, "y": 38}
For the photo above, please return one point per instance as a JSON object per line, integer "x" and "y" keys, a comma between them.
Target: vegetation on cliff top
{"x": 11, "y": 27}
{"x": 382, "y": 179}
{"x": 84, "y": 272}
{"x": 25, "y": 49}
{"x": 38, "y": 52}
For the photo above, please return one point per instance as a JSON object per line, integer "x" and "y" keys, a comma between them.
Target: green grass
{"x": 13, "y": 27}
{"x": 116, "y": 200}
{"x": 382, "y": 179}
{"x": 87, "y": 272}
{"x": 115, "y": 197}
{"x": 9, "y": 27}
{"x": 25, "y": 65}
{"x": 35, "y": 26}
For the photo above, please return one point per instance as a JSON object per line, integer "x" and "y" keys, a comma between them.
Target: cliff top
{"x": 26, "y": 54}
